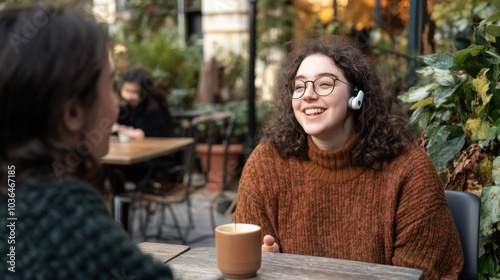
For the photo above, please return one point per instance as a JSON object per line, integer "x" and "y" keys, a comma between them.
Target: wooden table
{"x": 134, "y": 151}
{"x": 163, "y": 252}
{"x": 200, "y": 263}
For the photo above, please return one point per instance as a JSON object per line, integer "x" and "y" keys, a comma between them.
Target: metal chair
{"x": 465, "y": 209}
{"x": 218, "y": 127}
{"x": 222, "y": 122}
{"x": 145, "y": 197}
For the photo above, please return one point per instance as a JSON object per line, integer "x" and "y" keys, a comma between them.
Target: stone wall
{"x": 225, "y": 27}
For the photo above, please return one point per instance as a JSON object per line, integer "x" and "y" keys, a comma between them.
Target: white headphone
{"x": 355, "y": 102}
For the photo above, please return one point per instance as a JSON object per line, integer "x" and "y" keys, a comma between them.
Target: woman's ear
{"x": 73, "y": 116}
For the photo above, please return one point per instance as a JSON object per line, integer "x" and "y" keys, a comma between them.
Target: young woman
{"x": 57, "y": 107}
{"x": 337, "y": 173}
{"x": 144, "y": 112}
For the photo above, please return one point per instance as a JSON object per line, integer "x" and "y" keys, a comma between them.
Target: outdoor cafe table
{"x": 200, "y": 263}
{"x": 134, "y": 151}
{"x": 162, "y": 252}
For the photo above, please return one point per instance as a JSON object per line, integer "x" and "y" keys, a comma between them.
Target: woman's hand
{"x": 134, "y": 133}
{"x": 269, "y": 245}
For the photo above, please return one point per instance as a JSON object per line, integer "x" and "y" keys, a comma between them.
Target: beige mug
{"x": 238, "y": 249}
{"x": 123, "y": 136}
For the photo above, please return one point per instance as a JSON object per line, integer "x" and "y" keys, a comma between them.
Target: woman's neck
{"x": 336, "y": 141}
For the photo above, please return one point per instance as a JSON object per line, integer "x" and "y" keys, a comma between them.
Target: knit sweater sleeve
{"x": 425, "y": 234}
{"x": 257, "y": 203}
{"x": 74, "y": 237}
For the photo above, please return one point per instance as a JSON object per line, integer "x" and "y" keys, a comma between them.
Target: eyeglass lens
{"x": 321, "y": 86}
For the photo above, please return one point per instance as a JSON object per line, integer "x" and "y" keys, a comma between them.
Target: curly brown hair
{"x": 383, "y": 134}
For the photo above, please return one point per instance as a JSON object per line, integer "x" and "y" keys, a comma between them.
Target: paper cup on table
{"x": 123, "y": 136}
{"x": 238, "y": 249}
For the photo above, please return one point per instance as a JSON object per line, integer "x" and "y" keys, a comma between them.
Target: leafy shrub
{"x": 457, "y": 106}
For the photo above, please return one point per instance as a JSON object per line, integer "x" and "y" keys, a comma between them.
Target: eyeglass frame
{"x": 335, "y": 79}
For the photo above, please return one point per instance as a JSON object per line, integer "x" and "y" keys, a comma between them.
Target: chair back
{"x": 214, "y": 121}
{"x": 465, "y": 209}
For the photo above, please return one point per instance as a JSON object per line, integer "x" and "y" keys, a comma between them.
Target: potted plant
{"x": 210, "y": 131}
{"x": 457, "y": 106}
{"x": 237, "y": 141}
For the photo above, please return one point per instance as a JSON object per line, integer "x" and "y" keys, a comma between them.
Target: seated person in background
{"x": 337, "y": 173}
{"x": 57, "y": 107}
{"x": 144, "y": 112}
{"x": 143, "y": 108}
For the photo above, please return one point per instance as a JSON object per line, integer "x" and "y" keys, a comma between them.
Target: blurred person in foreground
{"x": 57, "y": 107}
{"x": 337, "y": 173}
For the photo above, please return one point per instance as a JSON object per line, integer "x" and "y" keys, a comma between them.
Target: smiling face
{"x": 131, "y": 93}
{"x": 326, "y": 118}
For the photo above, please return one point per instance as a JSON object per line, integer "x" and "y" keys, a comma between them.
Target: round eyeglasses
{"x": 322, "y": 86}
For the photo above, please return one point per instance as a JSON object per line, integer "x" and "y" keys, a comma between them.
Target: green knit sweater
{"x": 327, "y": 207}
{"x": 64, "y": 231}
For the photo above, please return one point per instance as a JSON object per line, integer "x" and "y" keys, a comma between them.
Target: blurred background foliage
{"x": 172, "y": 65}
{"x": 453, "y": 21}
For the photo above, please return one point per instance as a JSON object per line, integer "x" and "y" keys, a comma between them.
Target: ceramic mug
{"x": 123, "y": 136}
{"x": 238, "y": 249}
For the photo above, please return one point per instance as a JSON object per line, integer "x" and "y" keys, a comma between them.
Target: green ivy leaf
{"x": 432, "y": 130}
{"x": 491, "y": 19}
{"x": 479, "y": 111}
{"x": 415, "y": 94}
{"x": 485, "y": 167}
{"x": 492, "y": 57}
{"x": 422, "y": 103}
{"x": 487, "y": 265}
{"x": 426, "y": 71}
{"x": 445, "y": 143}
{"x": 444, "y": 77}
{"x": 492, "y": 134}
{"x": 481, "y": 84}
{"x": 441, "y": 94}
{"x": 472, "y": 60}
{"x": 415, "y": 116}
{"x": 446, "y": 116}
{"x": 461, "y": 56}
{"x": 490, "y": 206}
{"x": 495, "y": 171}
{"x": 421, "y": 117}
{"x": 441, "y": 61}
{"x": 493, "y": 30}
{"x": 478, "y": 129}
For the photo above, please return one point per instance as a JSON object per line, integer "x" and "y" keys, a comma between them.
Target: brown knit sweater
{"x": 327, "y": 207}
